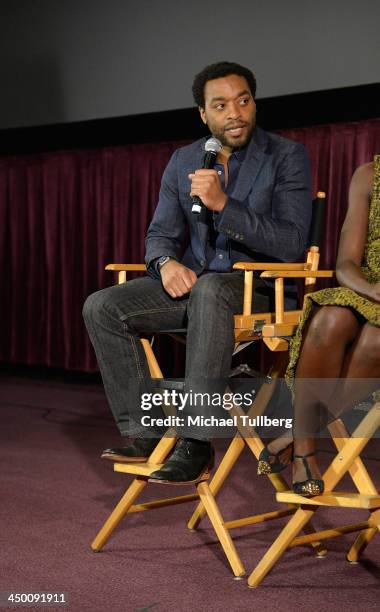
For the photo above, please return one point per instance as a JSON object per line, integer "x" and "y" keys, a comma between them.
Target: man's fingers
{"x": 187, "y": 282}
{"x": 203, "y": 175}
{"x": 192, "y": 277}
{"x": 174, "y": 291}
{"x": 177, "y": 286}
{"x": 181, "y": 283}
{"x": 204, "y": 172}
{"x": 189, "y": 278}
{"x": 203, "y": 180}
{"x": 177, "y": 280}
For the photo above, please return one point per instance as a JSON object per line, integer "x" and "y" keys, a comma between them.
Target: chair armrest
{"x": 250, "y": 266}
{"x": 126, "y": 267}
{"x": 297, "y": 273}
{"x": 279, "y": 276}
{"x": 122, "y": 270}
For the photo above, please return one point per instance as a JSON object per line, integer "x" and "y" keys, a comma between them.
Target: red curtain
{"x": 64, "y": 215}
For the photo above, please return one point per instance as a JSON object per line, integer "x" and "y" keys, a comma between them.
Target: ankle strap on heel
{"x": 304, "y": 456}
{"x": 305, "y": 463}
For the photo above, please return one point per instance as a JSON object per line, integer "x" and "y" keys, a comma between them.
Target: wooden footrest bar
{"x": 333, "y": 498}
{"x": 138, "y": 469}
{"x": 259, "y": 518}
{"x": 328, "y": 533}
{"x": 160, "y": 503}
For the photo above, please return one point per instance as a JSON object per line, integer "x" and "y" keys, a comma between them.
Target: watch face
{"x": 163, "y": 260}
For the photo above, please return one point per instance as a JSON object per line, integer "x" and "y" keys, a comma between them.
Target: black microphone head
{"x": 213, "y": 145}
{"x": 212, "y": 148}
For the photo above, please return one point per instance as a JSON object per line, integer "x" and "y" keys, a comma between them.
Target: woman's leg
{"x": 361, "y": 370}
{"x": 326, "y": 336}
{"x": 330, "y": 332}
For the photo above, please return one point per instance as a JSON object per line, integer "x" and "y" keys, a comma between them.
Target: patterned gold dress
{"x": 341, "y": 296}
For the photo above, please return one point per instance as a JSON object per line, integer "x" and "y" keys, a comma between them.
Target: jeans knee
{"x": 94, "y": 306}
{"x": 89, "y": 307}
{"x": 209, "y": 289}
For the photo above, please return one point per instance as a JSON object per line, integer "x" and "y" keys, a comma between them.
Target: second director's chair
{"x": 272, "y": 328}
{"x": 366, "y": 498}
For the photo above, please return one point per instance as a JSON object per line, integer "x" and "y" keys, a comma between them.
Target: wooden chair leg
{"x": 118, "y": 513}
{"x": 364, "y": 538}
{"x": 344, "y": 460}
{"x": 279, "y": 483}
{"x": 290, "y": 531}
{"x": 231, "y": 456}
{"x": 363, "y": 483}
{"x": 352, "y": 448}
{"x": 158, "y": 455}
{"x": 358, "y": 471}
{"x": 222, "y": 533}
{"x": 237, "y": 445}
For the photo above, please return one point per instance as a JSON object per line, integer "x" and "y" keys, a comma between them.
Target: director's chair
{"x": 274, "y": 329}
{"x": 367, "y": 497}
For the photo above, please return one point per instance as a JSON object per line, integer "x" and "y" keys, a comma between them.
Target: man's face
{"x": 230, "y": 110}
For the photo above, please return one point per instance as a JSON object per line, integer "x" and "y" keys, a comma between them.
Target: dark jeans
{"x": 115, "y": 316}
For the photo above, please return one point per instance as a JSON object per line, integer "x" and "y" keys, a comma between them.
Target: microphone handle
{"x": 208, "y": 164}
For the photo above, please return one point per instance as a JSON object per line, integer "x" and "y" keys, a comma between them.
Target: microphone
{"x": 212, "y": 148}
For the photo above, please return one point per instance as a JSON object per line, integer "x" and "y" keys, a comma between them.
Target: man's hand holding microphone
{"x": 206, "y": 190}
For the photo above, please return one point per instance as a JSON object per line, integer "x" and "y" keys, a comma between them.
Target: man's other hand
{"x": 206, "y": 185}
{"x": 177, "y": 280}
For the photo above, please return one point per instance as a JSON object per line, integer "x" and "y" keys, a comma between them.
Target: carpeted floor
{"x": 56, "y": 493}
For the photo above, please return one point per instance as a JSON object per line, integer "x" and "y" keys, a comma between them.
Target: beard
{"x": 229, "y": 140}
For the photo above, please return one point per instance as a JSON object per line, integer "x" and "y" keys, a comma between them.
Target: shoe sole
{"x": 204, "y": 476}
{"x": 123, "y": 459}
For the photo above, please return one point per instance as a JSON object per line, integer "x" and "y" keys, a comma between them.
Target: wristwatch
{"x": 161, "y": 261}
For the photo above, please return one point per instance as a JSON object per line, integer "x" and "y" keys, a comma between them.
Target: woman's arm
{"x": 354, "y": 234}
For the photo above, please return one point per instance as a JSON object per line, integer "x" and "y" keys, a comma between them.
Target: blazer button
{"x": 202, "y": 262}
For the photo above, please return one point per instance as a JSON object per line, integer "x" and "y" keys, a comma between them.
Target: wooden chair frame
{"x": 271, "y": 328}
{"x": 347, "y": 460}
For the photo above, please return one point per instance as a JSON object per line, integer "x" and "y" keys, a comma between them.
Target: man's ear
{"x": 202, "y": 114}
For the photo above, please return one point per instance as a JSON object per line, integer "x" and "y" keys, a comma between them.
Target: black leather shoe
{"x": 190, "y": 462}
{"x": 138, "y": 451}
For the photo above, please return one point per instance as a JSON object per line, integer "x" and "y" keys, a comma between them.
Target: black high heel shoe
{"x": 310, "y": 487}
{"x": 273, "y": 467}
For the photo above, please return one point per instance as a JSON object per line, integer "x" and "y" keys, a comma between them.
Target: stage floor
{"x": 56, "y": 493}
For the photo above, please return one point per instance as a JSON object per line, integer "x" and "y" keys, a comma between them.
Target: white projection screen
{"x": 72, "y": 61}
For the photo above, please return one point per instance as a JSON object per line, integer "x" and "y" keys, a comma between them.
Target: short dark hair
{"x": 216, "y": 71}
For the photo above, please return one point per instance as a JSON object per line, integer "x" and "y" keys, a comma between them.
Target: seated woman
{"x": 338, "y": 338}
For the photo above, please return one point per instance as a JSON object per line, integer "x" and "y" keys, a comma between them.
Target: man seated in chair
{"x": 256, "y": 207}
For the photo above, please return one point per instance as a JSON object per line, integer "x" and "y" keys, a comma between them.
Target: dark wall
{"x": 76, "y": 61}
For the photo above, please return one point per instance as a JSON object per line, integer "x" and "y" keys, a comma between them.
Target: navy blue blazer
{"x": 266, "y": 218}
